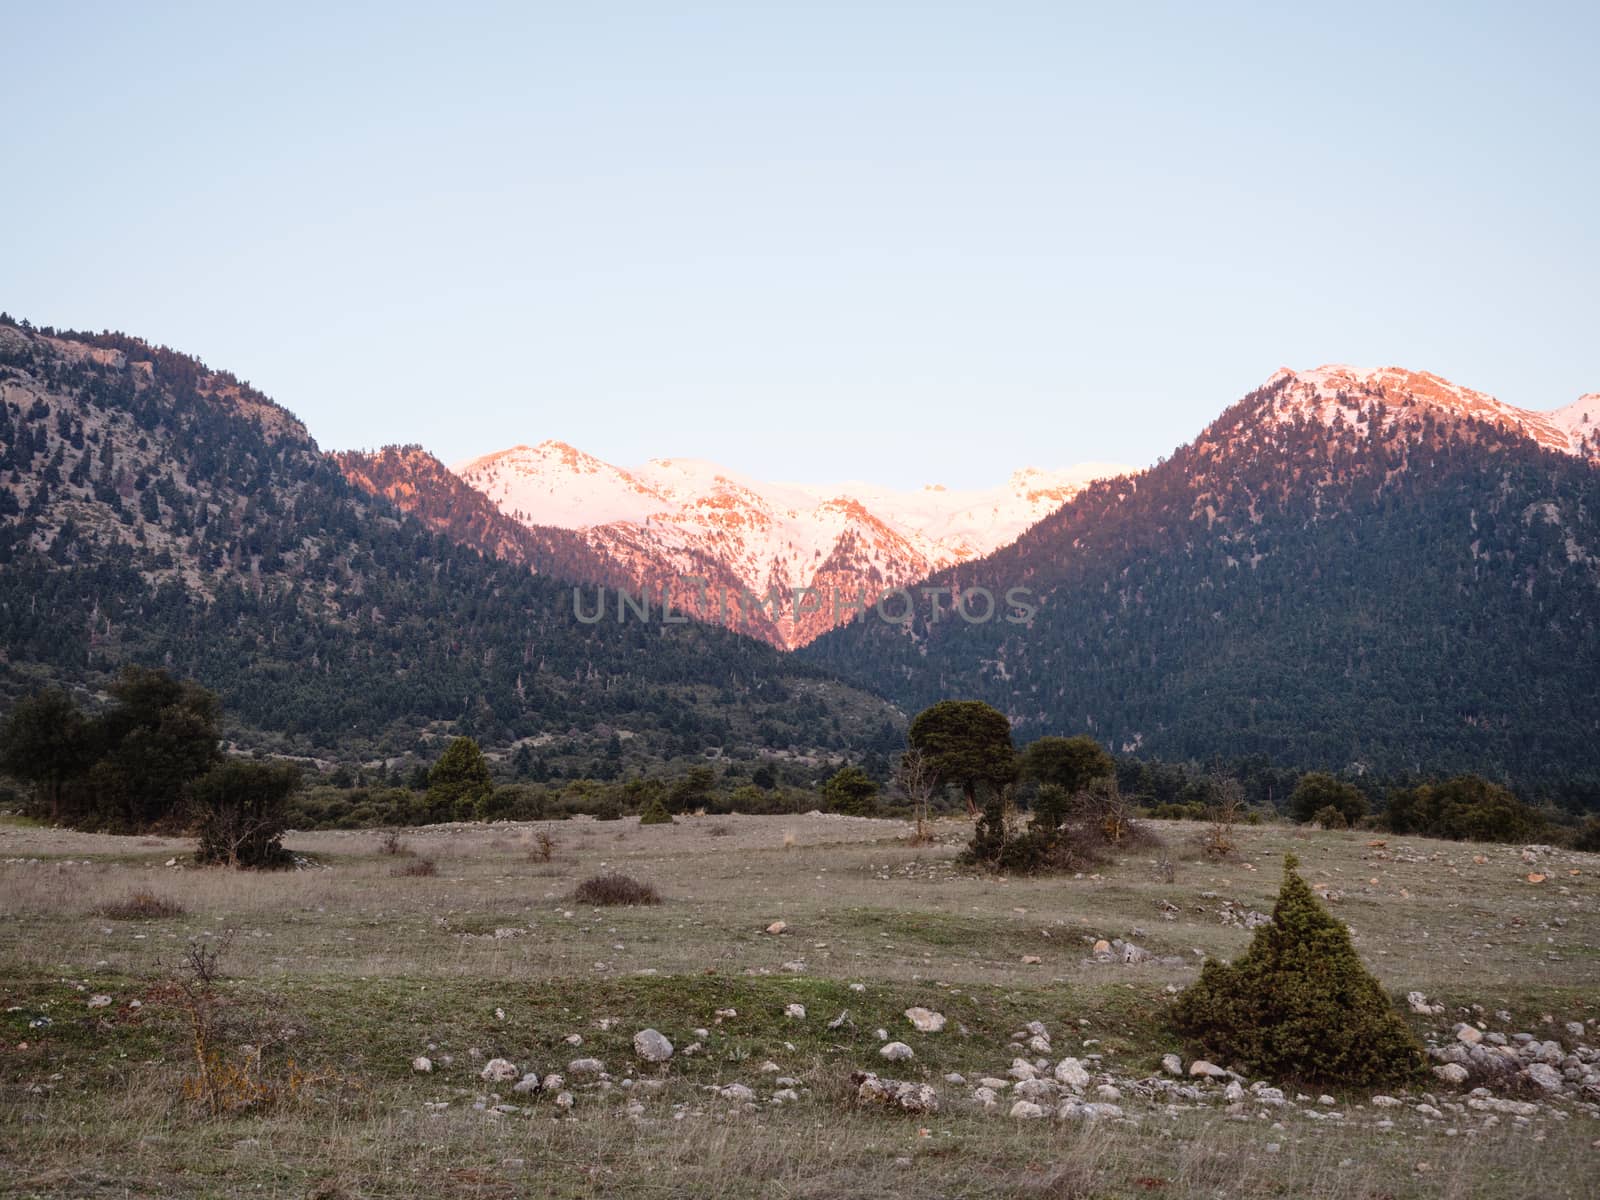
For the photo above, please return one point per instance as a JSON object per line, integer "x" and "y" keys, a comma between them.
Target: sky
{"x": 906, "y": 243}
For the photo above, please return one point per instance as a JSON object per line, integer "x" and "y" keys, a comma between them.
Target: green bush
{"x": 1466, "y": 808}
{"x": 1329, "y": 817}
{"x": 851, "y": 791}
{"x": 1318, "y": 790}
{"x": 655, "y": 813}
{"x": 1299, "y": 1004}
{"x": 1588, "y": 836}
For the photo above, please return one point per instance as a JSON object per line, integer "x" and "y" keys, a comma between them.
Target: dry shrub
{"x": 1067, "y": 832}
{"x": 228, "y": 1079}
{"x": 613, "y": 889}
{"x": 417, "y": 868}
{"x": 1218, "y": 841}
{"x": 142, "y": 905}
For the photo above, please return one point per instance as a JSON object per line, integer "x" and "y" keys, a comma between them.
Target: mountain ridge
{"x": 670, "y": 516}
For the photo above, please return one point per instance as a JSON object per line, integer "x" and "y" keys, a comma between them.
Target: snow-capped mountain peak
{"x": 671, "y": 516}
{"x": 1336, "y": 392}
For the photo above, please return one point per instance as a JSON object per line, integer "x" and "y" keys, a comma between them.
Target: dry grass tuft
{"x": 142, "y": 905}
{"x": 614, "y": 889}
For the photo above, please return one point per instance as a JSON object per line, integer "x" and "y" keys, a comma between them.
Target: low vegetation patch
{"x": 613, "y": 889}
{"x": 142, "y": 905}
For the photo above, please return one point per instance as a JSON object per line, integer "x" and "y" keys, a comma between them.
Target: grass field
{"x": 351, "y": 971}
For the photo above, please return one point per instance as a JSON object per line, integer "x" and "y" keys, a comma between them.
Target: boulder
{"x": 1544, "y": 1076}
{"x": 1072, "y": 1073}
{"x": 652, "y": 1046}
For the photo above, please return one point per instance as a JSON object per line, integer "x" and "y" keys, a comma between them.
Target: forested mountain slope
{"x": 1340, "y": 571}
{"x": 155, "y": 511}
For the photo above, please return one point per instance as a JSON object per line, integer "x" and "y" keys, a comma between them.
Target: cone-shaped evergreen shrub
{"x": 1299, "y": 1004}
{"x": 655, "y": 813}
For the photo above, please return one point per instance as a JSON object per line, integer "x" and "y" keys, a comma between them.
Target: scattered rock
{"x": 652, "y": 1046}
{"x": 1509, "y": 1108}
{"x": 497, "y": 1070}
{"x": 1544, "y": 1075}
{"x": 890, "y": 1093}
{"x": 1021, "y": 1068}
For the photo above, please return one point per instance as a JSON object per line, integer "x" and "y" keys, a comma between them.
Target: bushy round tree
{"x": 1319, "y": 790}
{"x": 1299, "y": 1004}
{"x": 967, "y": 743}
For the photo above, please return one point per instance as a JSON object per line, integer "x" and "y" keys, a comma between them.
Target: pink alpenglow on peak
{"x": 1335, "y": 391}
{"x": 673, "y": 515}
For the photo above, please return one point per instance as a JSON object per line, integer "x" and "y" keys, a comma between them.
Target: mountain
{"x": 1377, "y": 570}
{"x": 675, "y": 518}
{"x": 155, "y": 511}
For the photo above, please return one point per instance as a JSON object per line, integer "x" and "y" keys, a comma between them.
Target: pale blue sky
{"x": 904, "y": 242}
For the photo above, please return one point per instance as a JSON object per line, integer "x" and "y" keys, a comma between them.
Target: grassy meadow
{"x": 335, "y": 977}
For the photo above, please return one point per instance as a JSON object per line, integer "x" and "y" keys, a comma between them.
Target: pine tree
{"x": 1299, "y": 1004}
